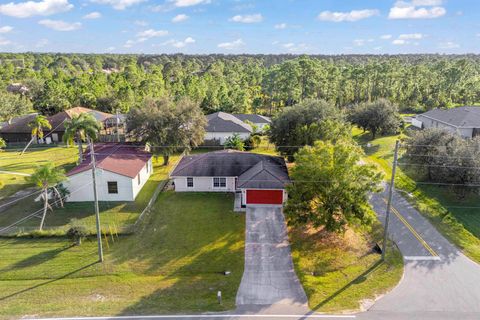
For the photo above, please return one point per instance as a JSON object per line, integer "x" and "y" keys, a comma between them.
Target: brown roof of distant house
{"x": 57, "y": 120}
{"x": 126, "y": 160}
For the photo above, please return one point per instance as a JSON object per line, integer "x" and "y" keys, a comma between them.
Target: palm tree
{"x": 47, "y": 177}
{"x": 38, "y": 124}
{"x": 81, "y": 127}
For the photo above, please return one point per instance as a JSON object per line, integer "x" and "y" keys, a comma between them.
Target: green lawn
{"x": 340, "y": 272}
{"x": 119, "y": 216}
{"x": 460, "y": 225}
{"x": 173, "y": 264}
{"x": 11, "y": 160}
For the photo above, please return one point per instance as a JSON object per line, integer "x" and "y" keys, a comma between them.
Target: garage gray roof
{"x": 225, "y": 122}
{"x": 253, "y": 170}
{"x": 255, "y": 118}
{"x": 462, "y": 117}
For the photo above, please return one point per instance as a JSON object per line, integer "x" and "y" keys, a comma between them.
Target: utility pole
{"x": 118, "y": 133}
{"x": 389, "y": 201}
{"x": 95, "y": 196}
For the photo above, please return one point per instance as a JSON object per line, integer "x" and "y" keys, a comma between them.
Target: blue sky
{"x": 240, "y": 26}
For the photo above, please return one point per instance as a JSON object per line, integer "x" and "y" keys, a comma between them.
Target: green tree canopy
{"x": 378, "y": 116}
{"x": 301, "y": 125}
{"x": 331, "y": 186}
{"x": 13, "y": 105}
{"x": 166, "y": 125}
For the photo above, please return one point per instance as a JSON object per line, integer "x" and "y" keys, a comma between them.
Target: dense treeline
{"x": 240, "y": 83}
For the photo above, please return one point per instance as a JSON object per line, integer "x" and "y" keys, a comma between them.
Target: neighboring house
{"x": 260, "y": 179}
{"x": 122, "y": 171}
{"x": 19, "y": 131}
{"x": 222, "y": 125}
{"x": 259, "y": 121}
{"x": 464, "y": 121}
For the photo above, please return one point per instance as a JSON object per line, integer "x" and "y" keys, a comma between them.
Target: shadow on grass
{"x": 359, "y": 279}
{"x": 2, "y": 298}
{"x": 37, "y": 259}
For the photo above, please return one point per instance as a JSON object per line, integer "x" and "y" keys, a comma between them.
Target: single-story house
{"x": 19, "y": 131}
{"x": 122, "y": 171}
{"x": 258, "y": 120}
{"x": 258, "y": 178}
{"x": 464, "y": 121}
{"x": 222, "y": 125}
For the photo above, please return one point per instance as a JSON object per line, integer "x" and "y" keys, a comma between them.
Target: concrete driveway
{"x": 269, "y": 277}
{"x": 439, "y": 280}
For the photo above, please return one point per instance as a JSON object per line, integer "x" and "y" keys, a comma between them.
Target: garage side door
{"x": 264, "y": 196}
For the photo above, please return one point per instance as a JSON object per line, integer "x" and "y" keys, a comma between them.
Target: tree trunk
{"x": 45, "y": 206}
{"x": 80, "y": 149}
{"x": 28, "y": 145}
{"x": 166, "y": 159}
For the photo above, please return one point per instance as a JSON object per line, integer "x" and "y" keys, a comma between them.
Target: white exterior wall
{"x": 202, "y": 184}
{"x": 222, "y": 136}
{"x": 144, "y": 175}
{"x": 81, "y": 187}
{"x": 430, "y": 123}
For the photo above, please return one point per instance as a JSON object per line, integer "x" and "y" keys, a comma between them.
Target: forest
{"x": 264, "y": 84}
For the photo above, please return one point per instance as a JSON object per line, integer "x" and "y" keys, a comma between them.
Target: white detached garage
{"x": 122, "y": 171}
{"x": 261, "y": 179}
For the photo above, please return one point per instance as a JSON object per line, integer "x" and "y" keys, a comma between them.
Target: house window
{"x": 189, "y": 182}
{"x": 138, "y": 178}
{"x": 112, "y": 187}
{"x": 219, "y": 182}
{"x": 147, "y": 167}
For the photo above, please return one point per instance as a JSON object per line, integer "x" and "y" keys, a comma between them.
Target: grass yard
{"x": 11, "y": 160}
{"x": 174, "y": 264}
{"x": 438, "y": 203}
{"x": 341, "y": 272}
{"x": 118, "y": 216}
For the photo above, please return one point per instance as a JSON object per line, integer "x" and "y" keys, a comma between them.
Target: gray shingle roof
{"x": 253, "y": 170}
{"x": 463, "y": 117}
{"x": 255, "y": 118}
{"x": 225, "y": 122}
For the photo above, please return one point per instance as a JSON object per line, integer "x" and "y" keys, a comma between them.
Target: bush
{"x": 252, "y": 142}
{"x": 77, "y": 232}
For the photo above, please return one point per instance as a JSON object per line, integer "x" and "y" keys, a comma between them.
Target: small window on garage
{"x": 112, "y": 187}
{"x": 219, "y": 182}
{"x": 189, "y": 182}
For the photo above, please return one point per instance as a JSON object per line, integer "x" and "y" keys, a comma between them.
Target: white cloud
{"x": 448, "y": 45}
{"x": 353, "y": 15}
{"x": 129, "y": 44}
{"x": 180, "y": 44}
{"x": 110, "y": 49}
{"x": 180, "y": 18}
{"x": 119, "y": 4}
{"x": 32, "y": 8}
{"x": 5, "y": 42}
{"x": 151, "y": 33}
{"x": 409, "y": 36}
{"x": 188, "y": 3}
{"x": 386, "y": 36}
{"x": 5, "y": 29}
{"x": 249, "y": 18}
{"x": 41, "y": 43}
{"x": 289, "y": 45}
{"x": 141, "y": 23}
{"x": 417, "y": 9}
{"x": 399, "y": 42}
{"x": 60, "y": 25}
{"x": 281, "y": 26}
{"x": 359, "y": 42}
{"x": 377, "y": 48}
{"x": 93, "y": 15}
{"x": 231, "y": 45}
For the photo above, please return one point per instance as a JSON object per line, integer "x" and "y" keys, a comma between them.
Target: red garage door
{"x": 264, "y": 196}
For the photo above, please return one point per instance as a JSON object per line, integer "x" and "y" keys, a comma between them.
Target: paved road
{"x": 269, "y": 277}
{"x": 439, "y": 281}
